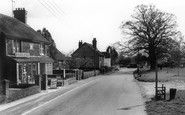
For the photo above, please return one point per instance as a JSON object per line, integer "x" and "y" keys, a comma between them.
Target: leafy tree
{"x": 150, "y": 30}
{"x": 124, "y": 60}
{"x": 52, "y": 48}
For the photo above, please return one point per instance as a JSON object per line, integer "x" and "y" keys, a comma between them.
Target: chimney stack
{"x": 20, "y": 14}
{"x": 94, "y": 42}
{"x": 80, "y": 44}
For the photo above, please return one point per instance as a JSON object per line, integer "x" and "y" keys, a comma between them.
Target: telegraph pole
{"x": 156, "y": 81}
{"x": 13, "y": 4}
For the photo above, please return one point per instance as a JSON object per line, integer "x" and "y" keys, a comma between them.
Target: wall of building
{"x": 11, "y": 71}
{"x": 86, "y": 52}
{"x": 107, "y": 62}
{"x": 32, "y": 48}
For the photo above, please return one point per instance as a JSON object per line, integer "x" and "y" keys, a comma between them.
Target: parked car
{"x": 132, "y": 66}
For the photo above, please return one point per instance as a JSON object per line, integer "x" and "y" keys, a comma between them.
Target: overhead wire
{"x": 58, "y": 7}
{"x": 51, "y": 11}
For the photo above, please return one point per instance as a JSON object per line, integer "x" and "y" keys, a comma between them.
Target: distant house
{"x": 113, "y": 55}
{"x": 25, "y": 51}
{"x": 61, "y": 60}
{"x": 107, "y": 59}
{"x": 90, "y": 52}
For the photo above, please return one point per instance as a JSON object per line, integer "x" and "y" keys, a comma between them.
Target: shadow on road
{"x": 128, "y": 108}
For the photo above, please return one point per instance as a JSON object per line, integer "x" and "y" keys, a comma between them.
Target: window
{"x": 27, "y": 72}
{"x": 41, "y": 49}
{"x": 49, "y": 68}
{"x": 16, "y": 46}
{"x": 31, "y": 46}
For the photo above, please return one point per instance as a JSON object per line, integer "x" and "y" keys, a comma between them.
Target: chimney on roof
{"x": 80, "y": 44}
{"x": 94, "y": 42}
{"x": 20, "y": 14}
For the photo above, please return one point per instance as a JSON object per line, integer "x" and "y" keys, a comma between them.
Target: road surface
{"x": 115, "y": 94}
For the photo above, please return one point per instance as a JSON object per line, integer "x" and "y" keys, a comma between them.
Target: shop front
{"x": 23, "y": 70}
{"x": 26, "y": 72}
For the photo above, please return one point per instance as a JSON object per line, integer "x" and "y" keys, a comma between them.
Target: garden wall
{"x": 15, "y": 93}
{"x": 88, "y": 74}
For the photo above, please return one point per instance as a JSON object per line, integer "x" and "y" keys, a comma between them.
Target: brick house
{"x": 24, "y": 52}
{"x": 90, "y": 51}
{"x": 107, "y": 59}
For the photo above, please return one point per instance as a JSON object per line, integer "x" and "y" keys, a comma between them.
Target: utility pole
{"x": 13, "y": 4}
{"x": 156, "y": 81}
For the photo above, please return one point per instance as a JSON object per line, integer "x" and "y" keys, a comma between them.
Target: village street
{"x": 114, "y": 94}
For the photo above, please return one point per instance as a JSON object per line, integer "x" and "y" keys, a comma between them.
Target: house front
{"x": 25, "y": 50}
{"x": 107, "y": 59}
{"x": 92, "y": 57}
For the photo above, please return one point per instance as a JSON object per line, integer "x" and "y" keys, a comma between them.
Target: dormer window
{"x": 41, "y": 49}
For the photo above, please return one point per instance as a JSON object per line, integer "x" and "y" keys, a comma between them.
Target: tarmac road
{"x": 114, "y": 94}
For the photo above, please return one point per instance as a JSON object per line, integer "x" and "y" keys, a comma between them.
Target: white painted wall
{"x": 107, "y": 62}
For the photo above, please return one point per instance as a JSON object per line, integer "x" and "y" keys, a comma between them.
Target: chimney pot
{"x": 20, "y": 14}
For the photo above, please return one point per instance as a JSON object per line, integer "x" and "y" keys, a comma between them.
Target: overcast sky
{"x": 85, "y": 19}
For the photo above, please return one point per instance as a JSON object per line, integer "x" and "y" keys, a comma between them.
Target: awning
{"x": 41, "y": 59}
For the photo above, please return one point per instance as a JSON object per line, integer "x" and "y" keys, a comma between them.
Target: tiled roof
{"x": 92, "y": 48}
{"x": 60, "y": 56}
{"x": 96, "y": 50}
{"x": 14, "y": 29}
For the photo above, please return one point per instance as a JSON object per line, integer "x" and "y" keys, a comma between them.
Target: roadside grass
{"x": 167, "y": 107}
{"x": 164, "y": 75}
{"x": 172, "y": 107}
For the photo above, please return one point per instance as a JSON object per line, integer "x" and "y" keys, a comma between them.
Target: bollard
{"x": 172, "y": 93}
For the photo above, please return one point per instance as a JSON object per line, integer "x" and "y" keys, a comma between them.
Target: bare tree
{"x": 150, "y": 30}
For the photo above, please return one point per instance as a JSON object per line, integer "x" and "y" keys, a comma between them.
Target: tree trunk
{"x": 152, "y": 59}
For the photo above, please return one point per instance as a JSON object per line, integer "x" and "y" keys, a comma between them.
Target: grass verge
{"x": 173, "y": 107}
{"x": 164, "y": 75}
{"x": 166, "y": 107}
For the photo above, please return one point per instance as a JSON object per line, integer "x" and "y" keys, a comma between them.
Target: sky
{"x": 70, "y": 21}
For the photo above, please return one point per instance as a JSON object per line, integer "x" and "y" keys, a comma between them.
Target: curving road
{"x": 114, "y": 94}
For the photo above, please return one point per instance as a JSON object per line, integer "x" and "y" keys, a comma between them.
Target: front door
{"x": 42, "y": 69}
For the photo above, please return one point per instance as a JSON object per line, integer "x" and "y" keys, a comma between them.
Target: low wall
{"x": 88, "y": 74}
{"x": 15, "y": 93}
{"x": 70, "y": 81}
{"x": 97, "y": 72}
{"x": 2, "y": 98}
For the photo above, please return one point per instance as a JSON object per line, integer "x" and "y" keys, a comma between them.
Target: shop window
{"x": 49, "y": 68}
{"x": 27, "y": 72}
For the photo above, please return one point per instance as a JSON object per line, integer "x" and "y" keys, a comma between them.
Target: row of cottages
{"x": 90, "y": 51}
{"x": 23, "y": 51}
